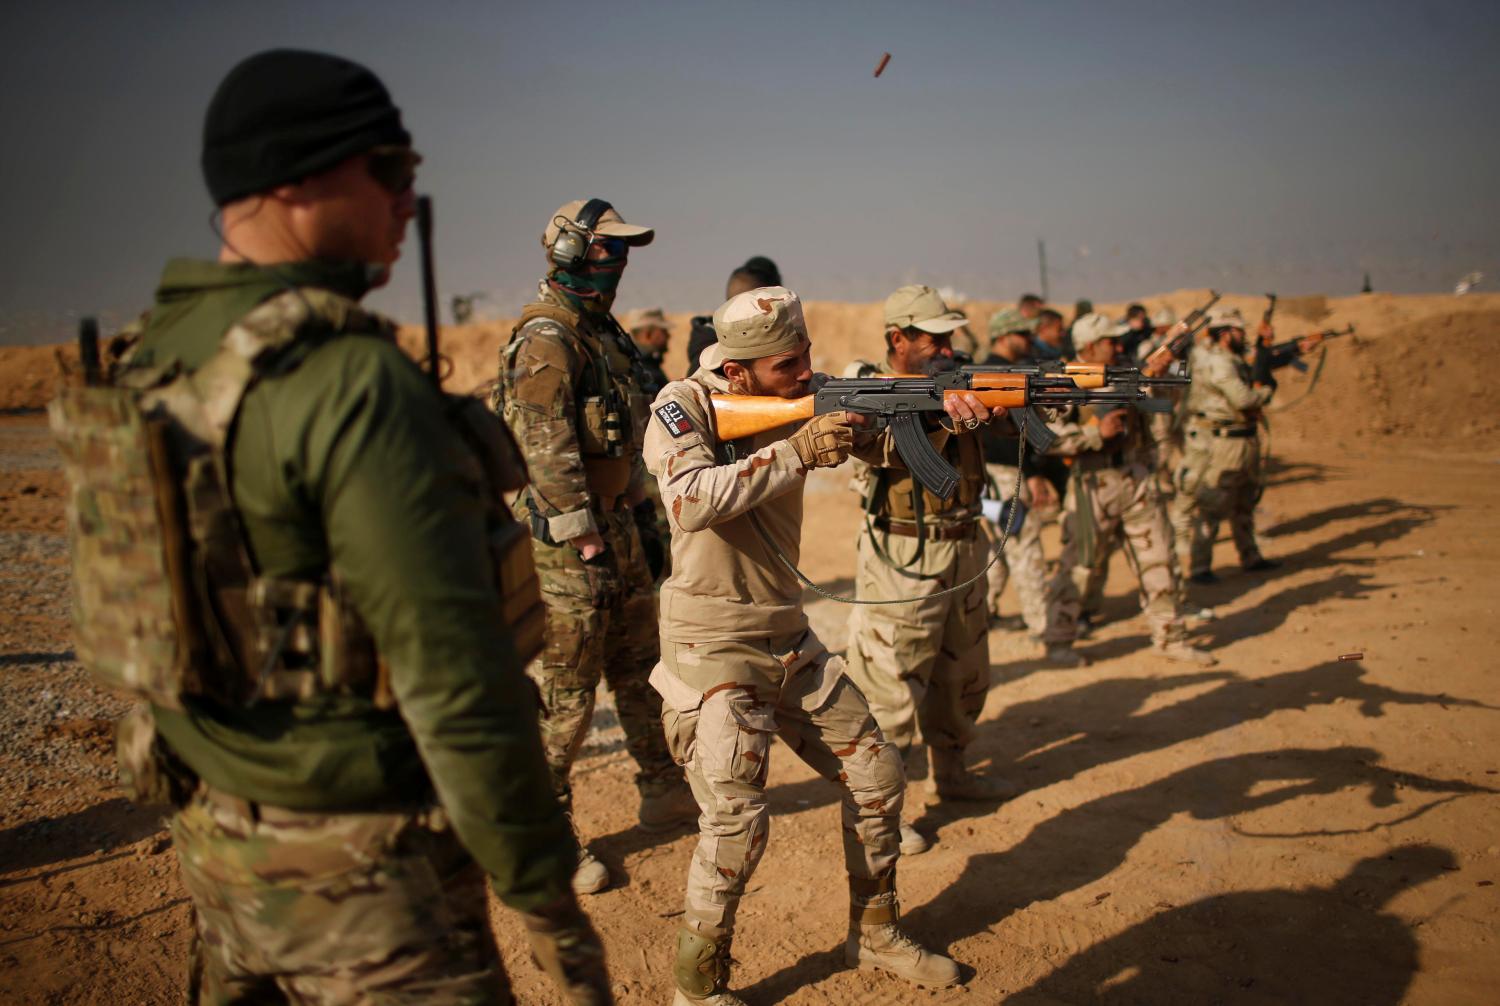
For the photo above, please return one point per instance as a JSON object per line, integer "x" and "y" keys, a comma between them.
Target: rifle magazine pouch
{"x": 595, "y": 424}
{"x": 132, "y": 604}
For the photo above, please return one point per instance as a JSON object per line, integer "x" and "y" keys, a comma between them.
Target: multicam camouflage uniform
{"x": 570, "y": 393}
{"x": 320, "y": 867}
{"x": 927, "y": 661}
{"x": 1219, "y": 476}
{"x": 334, "y": 907}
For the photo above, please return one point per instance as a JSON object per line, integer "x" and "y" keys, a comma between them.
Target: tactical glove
{"x": 823, "y": 441}
{"x": 652, "y": 542}
{"x": 565, "y": 946}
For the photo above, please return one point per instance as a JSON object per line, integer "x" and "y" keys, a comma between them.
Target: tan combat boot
{"x": 702, "y": 971}
{"x": 590, "y": 876}
{"x": 951, "y": 781}
{"x": 913, "y": 842}
{"x": 876, "y": 942}
{"x": 666, "y": 806}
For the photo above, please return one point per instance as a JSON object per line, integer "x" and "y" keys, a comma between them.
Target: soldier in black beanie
{"x": 336, "y": 829}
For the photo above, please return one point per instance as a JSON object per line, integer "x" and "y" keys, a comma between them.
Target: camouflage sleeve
{"x": 1240, "y": 395}
{"x": 1073, "y": 435}
{"x": 696, "y": 490}
{"x": 375, "y": 456}
{"x": 539, "y": 379}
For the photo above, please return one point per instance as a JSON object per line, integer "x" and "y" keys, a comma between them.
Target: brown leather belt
{"x": 939, "y": 532}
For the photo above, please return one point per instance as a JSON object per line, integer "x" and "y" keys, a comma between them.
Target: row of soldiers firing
{"x": 326, "y": 579}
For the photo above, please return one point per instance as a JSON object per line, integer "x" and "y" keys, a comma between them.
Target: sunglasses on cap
{"x": 393, "y": 168}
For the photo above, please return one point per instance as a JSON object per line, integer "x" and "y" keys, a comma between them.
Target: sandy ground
{"x": 1285, "y": 827}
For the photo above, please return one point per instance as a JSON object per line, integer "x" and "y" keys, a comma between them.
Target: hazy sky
{"x": 1251, "y": 146}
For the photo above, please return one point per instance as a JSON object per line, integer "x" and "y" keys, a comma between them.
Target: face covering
{"x": 594, "y": 283}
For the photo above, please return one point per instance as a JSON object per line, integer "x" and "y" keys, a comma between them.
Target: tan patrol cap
{"x": 1092, "y": 327}
{"x": 1164, "y": 318}
{"x": 918, "y": 306}
{"x": 648, "y": 318}
{"x": 610, "y": 224}
{"x": 756, "y": 324}
{"x": 1225, "y": 317}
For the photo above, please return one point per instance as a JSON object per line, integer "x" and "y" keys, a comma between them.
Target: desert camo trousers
{"x": 925, "y": 664}
{"x": 601, "y": 622}
{"x": 333, "y": 909}
{"x": 791, "y": 688}
{"x": 1122, "y": 508}
{"x": 1023, "y": 560}
{"x": 1219, "y": 480}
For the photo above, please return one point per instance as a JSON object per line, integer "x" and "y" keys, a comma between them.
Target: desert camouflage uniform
{"x": 740, "y": 664}
{"x": 570, "y": 393}
{"x": 928, "y": 661}
{"x": 1219, "y": 476}
{"x": 1023, "y": 559}
{"x": 1112, "y": 497}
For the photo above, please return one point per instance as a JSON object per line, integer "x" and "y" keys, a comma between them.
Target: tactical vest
{"x": 611, "y": 406}
{"x": 892, "y": 493}
{"x": 167, "y": 601}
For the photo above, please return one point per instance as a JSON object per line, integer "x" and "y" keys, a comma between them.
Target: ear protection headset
{"x": 572, "y": 241}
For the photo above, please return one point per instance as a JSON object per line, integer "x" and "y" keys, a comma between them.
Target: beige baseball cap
{"x": 755, "y": 324}
{"x": 1092, "y": 327}
{"x": 1164, "y": 318}
{"x": 1225, "y": 317}
{"x": 918, "y": 306}
{"x": 610, "y": 224}
{"x": 647, "y": 318}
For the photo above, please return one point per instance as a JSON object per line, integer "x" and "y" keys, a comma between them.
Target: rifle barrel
{"x": 429, "y": 289}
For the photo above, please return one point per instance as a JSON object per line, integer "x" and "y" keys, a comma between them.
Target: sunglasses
{"x": 613, "y": 248}
{"x": 393, "y": 168}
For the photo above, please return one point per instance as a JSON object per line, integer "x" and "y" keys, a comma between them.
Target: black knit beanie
{"x": 284, "y": 114}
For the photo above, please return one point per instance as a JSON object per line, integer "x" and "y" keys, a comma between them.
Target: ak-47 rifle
{"x": 1289, "y": 353}
{"x": 1178, "y": 347}
{"x": 900, "y": 403}
{"x": 1088, "y": 376}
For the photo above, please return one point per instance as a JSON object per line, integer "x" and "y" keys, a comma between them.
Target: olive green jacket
{"x": 347, "y": 461}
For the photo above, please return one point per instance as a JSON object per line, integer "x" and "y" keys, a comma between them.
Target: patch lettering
{"x": 674, "y": 419}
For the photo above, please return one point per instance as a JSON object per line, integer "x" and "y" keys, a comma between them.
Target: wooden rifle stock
{"x": 737, "y": 416}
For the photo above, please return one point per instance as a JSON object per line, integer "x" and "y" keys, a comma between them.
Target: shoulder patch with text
{"x": 674, "y": 419}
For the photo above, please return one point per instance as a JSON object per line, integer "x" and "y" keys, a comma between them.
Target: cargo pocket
{"x": 681, "y": 706}
{"x": 755, "y": 724}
